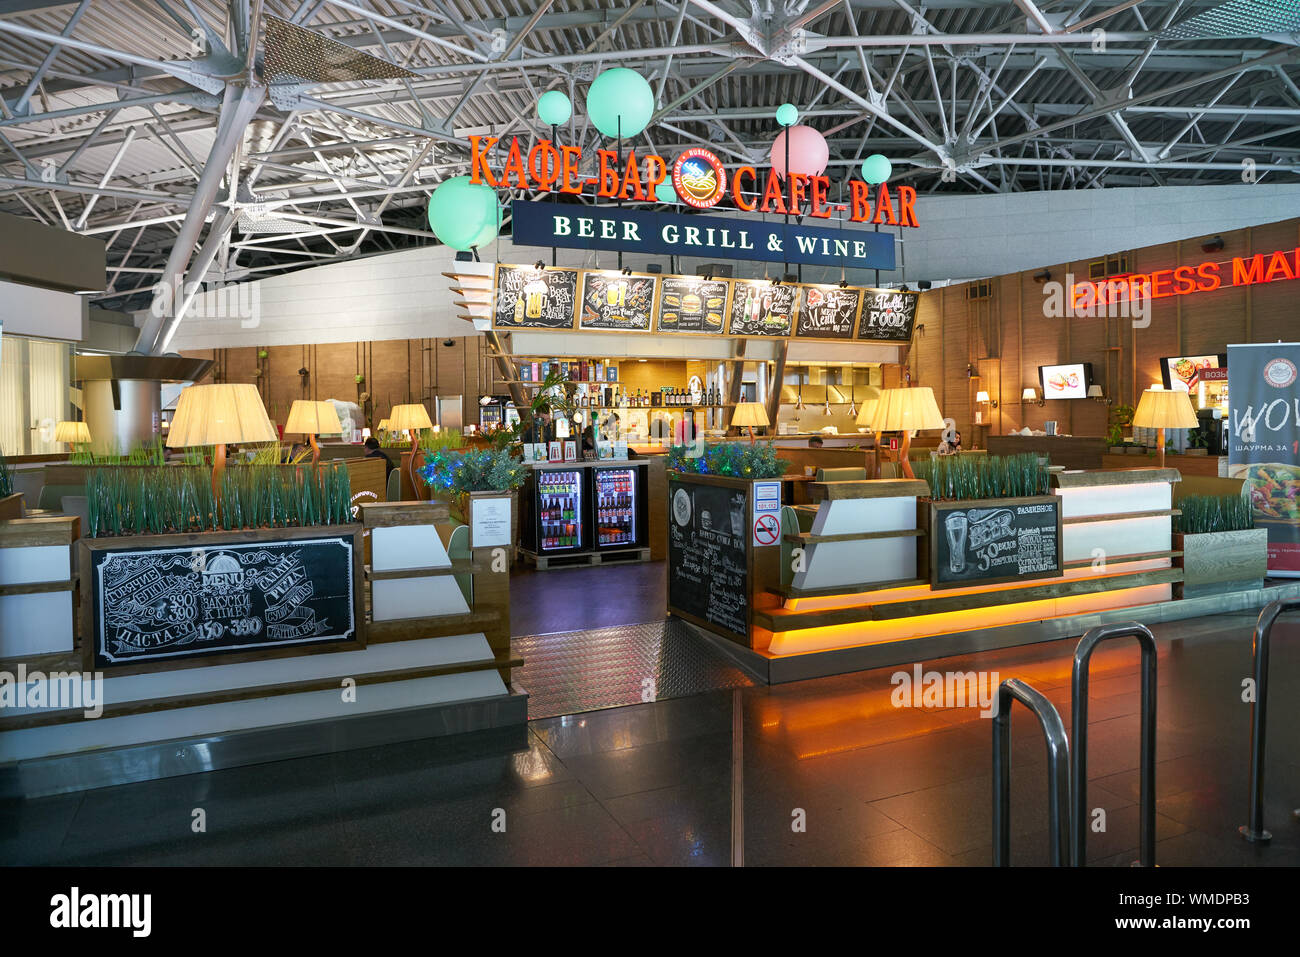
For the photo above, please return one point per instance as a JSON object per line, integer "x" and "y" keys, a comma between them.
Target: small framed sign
{"x": 555, "y": 453}
{"x": 570, "y": 451}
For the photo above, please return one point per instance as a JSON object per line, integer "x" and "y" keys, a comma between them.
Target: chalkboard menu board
{"x": 761, "y": 309}
{"x": 888, "y": 315}
{"x": 989, "y": 541}
{"x": 528, "y": 298}
{"x": 708, "y": 574}
{"x": 168, "y": 603}
{"x": 616, "y": 301}
{"x": 828, "y": 312}
{"x": 691, "y": 305}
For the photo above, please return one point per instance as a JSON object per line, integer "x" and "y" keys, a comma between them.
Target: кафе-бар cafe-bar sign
{"x": 700, "y": 181}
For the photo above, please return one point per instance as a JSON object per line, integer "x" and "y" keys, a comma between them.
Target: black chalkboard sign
{"x": 761, "y": 309}
{"x": 992, "y": 540}
{"x": 691, "y": 305}
{"x": 708, "y": 574}
{"x": 827, "y": 312}
{"x": 616, "y": 301}
{"x": 165, "y": 603}
{"x": 888, "y": 315}
{"x": 528, "y": 298}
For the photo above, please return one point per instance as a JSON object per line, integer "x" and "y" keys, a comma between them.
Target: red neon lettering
{"x": 1241, "y": 276}
{"x": 773, "y": 200}
{"x": 884, "y": 207}
{"x": 737, "y": 195}
{"x": 631, "y": 178}
{"x": 1184, "y": 278}
{"x": 797, "y": 192}
{"x": 820, "y": 184}
{"x": 608, "y": 173}
{"x": 859, "y": 201}
{"x": 514, "y": 167}
{"x": 1210, "y": 280}
{"x": 1160, "y": 283}
{"x": 1278, "y": 264}
{"x": 906, "y": 214}
{"x": 479, "y": 171}
{"x": 572, "y": 156}
{"x": 656, "y": 170}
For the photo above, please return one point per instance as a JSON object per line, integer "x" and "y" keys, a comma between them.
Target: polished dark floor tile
{"x": 575, "y": 599}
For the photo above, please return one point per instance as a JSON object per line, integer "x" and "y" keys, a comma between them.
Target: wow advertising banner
{"x": 1264, "y": 398}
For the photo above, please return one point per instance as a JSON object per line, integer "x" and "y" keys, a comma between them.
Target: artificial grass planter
{"x": 969, "y": 477}
{"x": 1222, "y": 550}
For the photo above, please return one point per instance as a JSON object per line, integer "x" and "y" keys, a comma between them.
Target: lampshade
{"x": 404, "y": 418}
{"x": 382, "y": 426}
{"x": 76, "y": 433}
{"x": 870, "y": 402}
{"x": 981, "y": 396}
{"x": 907, "y": 410}
{"x": 219, "y": 415}
{"x": 749, "y": 413}
{"x": 1029, "y": 395}
{"x": 1164, "y": 409}
{"x": 313, "y": 418}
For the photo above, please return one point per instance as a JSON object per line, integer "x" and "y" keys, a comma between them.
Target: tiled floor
{"x": 651, "y": 783}
{"x": 574, "y": 599}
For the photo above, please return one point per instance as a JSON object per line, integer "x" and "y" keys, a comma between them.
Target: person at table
{"x": 373, "y": 451}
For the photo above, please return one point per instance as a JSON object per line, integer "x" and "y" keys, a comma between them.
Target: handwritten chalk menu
{"x": 691, "y": 305}
{"x": 994, "y": 542}
{"x": 615, "y": 301}
{"x": 707, "y": 570}
{"x": 827, "y": 312}
{"x": 165, "y": 604}
{"x": 888, "y": 315}
{"x": 761, "y": 309}
{"x": 529, "y": 298}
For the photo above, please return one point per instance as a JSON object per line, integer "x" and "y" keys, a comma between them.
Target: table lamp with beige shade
{"x": 411, "y": 419}
{"x": 749, "y": 414}
{"x": 311, "y": 418}
{"x": 1162, "y": 409}
{"x": 219, "y": 415}
{"x": 867, "y": 411}
{"x": 907, "y": 411}
{"x": 74, "y": 433}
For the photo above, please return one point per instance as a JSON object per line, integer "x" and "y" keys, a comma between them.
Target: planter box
{"x": 1136, "y": 450}
{"x": 990, "y": 540}
{"x": 1214, "y": 562}
{"x": 155, "y": 602}
{"x": 11, "y": 506}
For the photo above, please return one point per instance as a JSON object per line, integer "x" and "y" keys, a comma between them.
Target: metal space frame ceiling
{"x": 111, "y": 111}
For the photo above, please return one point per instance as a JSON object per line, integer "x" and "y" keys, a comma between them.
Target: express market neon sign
{"x": 1187, "y": 280}
{"x": 698, "y": 176}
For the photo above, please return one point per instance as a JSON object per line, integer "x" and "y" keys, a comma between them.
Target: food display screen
{"x": 1066, "y": 381}
{"x": 1185, "y": 373}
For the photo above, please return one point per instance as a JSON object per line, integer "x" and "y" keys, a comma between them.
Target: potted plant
{"x": 11, "y": 502}
{"x": 988, "y": 519}
{"x": 1221, "y": 548}
{"x": 1121, "y": 417}
{"x": 1197, "y": 443}
{"x": 453, "y": 474}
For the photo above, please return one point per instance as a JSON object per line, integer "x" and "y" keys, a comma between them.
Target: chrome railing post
{"x": 1254, "y": 831}
{"x": 1079, "y": 755}
{"x": 1058, "y": 772}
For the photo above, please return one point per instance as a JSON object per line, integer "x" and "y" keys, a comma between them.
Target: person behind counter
{"x": 815, "y": 442}
{"x": 373, "y": 451}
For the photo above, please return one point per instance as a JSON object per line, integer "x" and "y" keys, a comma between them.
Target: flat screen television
{"x": 1069, "y": 381}
{"x": 1183, "y": 373}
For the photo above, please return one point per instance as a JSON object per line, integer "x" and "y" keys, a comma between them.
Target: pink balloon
{"x": 809, "y": 153}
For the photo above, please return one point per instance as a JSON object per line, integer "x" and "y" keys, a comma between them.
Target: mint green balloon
{"x": 620, "y": 102}
{"x": 665, "y": 192}
{"x": 554, "y": 108}
{"x": 876, "y": 169}
{"x": 786, "y": 114}
{"x": 464, "y": 215}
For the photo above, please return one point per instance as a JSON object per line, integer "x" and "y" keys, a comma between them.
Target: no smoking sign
{"x": 767, "y": 529}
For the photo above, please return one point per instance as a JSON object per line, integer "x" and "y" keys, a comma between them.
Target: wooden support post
{"x": 774, "y": 387}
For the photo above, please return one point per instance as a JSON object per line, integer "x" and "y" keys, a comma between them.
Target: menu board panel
{"x": 761, "y": 309}
{"x": 994, "y": 542}
{"x": 529, "y": 298}
{"x": 611, "y": 300}
{"x": 827, "y": 312}
{"x": 687, "y": 304}
{"x": 888, "y": 315}
{"x": 708, "y": 575}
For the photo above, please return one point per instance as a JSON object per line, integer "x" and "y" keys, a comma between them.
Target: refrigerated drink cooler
{"x": 585, "y": 513}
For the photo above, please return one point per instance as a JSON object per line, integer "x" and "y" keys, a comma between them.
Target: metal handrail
{"x": 1254, "y": 831}
{"x": 1058, "y": 771}
{"x": 1079, "y": 722}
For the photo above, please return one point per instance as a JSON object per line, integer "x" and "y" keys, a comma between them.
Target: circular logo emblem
{"x": 699, "y": 178}
{"x": 682, "y": 507}
{"x": 1279, "y": 373}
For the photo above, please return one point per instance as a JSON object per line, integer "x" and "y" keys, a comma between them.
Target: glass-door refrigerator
{"x": 559, "y": 511}
{"x": 618, "y": 501}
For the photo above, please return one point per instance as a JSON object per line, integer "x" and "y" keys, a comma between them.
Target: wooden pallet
{"x": 582, "y": 559}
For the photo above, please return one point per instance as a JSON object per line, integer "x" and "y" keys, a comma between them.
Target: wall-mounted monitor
{"x": 1184, "y": 373}
{"x": 1069, "y": 381}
